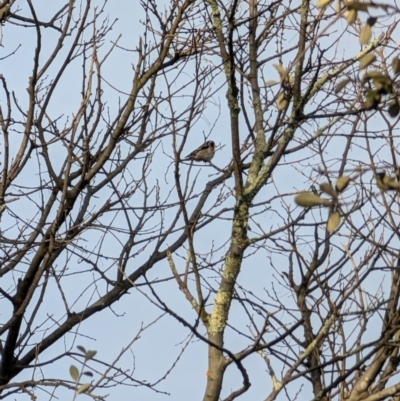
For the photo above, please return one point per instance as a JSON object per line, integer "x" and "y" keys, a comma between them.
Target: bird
{"x": 203, "y": 153}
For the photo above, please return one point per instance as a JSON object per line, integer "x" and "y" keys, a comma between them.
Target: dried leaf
{"x": 282, "y": 101}
{"x": 310, "y": 199}
{"x": 83, "y": 388}
{"x": 90, "y": 354}
{"x": 74, "y": 372}
{"x": 341, "y": 85}
{"x": 342, "y": 183}
{"x": 281, "y": 70}
{"x": 323, "y": 3}
{"x": 328, "y": 189}
{"x": 396, "y": 65}
{"x": 351, "y": 16}
{"x": 365, "y": 34}
{"x": 333, "y": 222}
{"x": 271, "y": 82}
{"x": 366, "y": 60}
{"x": 338, "y": 7}
{"x": 394, "y": 108}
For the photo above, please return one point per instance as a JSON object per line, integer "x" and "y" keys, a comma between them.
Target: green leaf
{"x": 351, "y": 16}
{"x": 341, "y": 85}
{"x": 90, "y": 354}
{"x": 309, "y": 199}
{"x": 74, "y": 372}
{"x": 82, "y": 349}
{"x": 342, "y": 183}
{"x": 323, "y": 3}
{"x": 333, "y": 222}
{"x": 365, "y": 34}
{"x": 83, "y": 388}
{"x": 372, "y": 75}
{"x": 328, "y": 189}
{"x": 366, "y": 60}
{"x": 396, "y": 65}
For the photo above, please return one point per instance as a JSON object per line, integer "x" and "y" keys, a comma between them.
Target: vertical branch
{"x": 5, "y": 123}
{"x": 260, "y": 144}
{"x": 228, "y": 61}
{"x": 239, "y": 241}
{"x": 304, "y": 9}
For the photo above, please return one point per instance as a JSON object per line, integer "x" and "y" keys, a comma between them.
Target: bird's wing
{"x": 198, "y": 150}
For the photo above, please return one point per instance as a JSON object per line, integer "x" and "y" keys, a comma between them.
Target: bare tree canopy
{"x": 199, "y": 199}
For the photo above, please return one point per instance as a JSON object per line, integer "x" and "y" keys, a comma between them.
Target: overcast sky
{"x": 151, "y": 356}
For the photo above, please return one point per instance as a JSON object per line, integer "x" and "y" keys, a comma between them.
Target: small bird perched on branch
{"x": 203, "y": 153}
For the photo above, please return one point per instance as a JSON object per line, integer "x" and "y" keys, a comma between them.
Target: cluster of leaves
{"x": 309, "y": 199}
{"x": 381, "y": 85}
{"x": 387, "y": 182}
{"x": 376, "y": 83}
{"x": 352, "y": 7}
{"x": 286, "y": 81}
{"x": 76, "y": 374}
